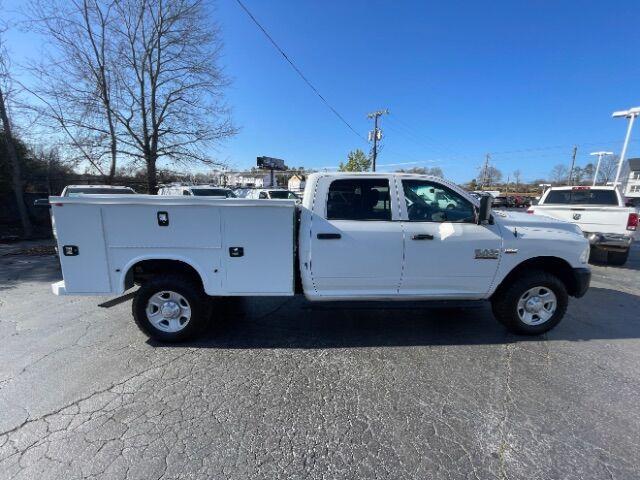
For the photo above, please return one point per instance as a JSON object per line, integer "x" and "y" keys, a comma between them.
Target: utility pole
{"x": 573, "y": 162}
{"x": 485, "y": 170}
{"x": 376, "y": 134}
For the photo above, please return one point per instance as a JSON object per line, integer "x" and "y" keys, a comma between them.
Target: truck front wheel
{"x": 532, "y": 304}
{"x": 170, "y": 308}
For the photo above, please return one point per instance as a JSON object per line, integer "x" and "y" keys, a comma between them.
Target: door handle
{"x": 329, "y": 236}
{"x": 422, "y": 236}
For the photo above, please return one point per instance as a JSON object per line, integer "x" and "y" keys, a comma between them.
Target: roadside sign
{"x": 270, "y": 163}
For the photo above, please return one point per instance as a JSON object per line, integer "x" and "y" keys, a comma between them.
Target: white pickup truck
{"x": 601, "y": 214}
{"x": 355, "y": 237}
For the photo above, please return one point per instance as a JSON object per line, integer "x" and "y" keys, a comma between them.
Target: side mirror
{"x": 484, "y": 213}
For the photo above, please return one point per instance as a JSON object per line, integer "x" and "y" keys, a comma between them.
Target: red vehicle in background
{"x": 521, "y": 201}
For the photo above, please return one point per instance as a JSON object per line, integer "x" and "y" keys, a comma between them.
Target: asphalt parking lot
{"x": 277, "y": 389}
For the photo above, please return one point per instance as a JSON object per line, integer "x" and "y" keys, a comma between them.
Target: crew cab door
{"x": 356, "y": 238}
{"x": 447, "y": 255}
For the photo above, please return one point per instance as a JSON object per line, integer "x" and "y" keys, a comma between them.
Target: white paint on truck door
{"x": 446, "y": 254}
{"x": 356, "y": 243}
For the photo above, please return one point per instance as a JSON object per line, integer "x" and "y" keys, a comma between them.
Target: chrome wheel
{"x": 537, "y": 305}
{"x": 168, "y": 311}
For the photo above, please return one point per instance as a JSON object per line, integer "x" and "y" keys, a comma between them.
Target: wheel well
{"x": 143, "y": 270}
{"x": 553, "y": 265}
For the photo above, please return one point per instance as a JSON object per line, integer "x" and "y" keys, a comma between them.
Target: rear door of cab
{"x": 356, "y": 239}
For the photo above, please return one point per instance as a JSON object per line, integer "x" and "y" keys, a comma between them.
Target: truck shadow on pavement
{"x": 274, "y": 322}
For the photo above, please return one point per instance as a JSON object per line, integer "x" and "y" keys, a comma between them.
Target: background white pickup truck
{"x": 601, "y": 214}
{"x": 355, "y": 237}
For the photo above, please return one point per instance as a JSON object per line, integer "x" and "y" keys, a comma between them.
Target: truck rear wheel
{"x": 531, "y": 305}
{"x": 617, "y": 258}
{"x": 170, "y": 308}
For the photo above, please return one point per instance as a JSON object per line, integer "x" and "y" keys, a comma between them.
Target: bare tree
{"x": 588, "y": 172}
{"x": 490, "y": 175}
{"x": 578, "y": 175}
{"x": 169, "y": 82}
{"x": 608, "y": 167}
{"x": 16, "y": 167}
{"x": 435, "y": 171}
{"x": 76, "y": 88}
{"x": 559, "y": 174}
{"x": 517, "y": 175}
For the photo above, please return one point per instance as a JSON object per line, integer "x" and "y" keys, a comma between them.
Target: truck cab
{"x": 388, "y": 236}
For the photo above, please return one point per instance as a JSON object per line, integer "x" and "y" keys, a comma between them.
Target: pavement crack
{"x": 506, "y": 402}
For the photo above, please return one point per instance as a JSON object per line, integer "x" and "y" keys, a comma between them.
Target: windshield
{"x": 74, "y": 192}
{"x": 279, "y": 194}
{"x": 213, "y": 192}
{"x": 581, "y": 197}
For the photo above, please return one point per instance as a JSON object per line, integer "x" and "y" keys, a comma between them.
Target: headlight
{"x": 584, "y": 256}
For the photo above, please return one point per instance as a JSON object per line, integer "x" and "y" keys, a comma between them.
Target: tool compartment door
{"x": 258, "y": 249}
{"x": 87, "y": 271}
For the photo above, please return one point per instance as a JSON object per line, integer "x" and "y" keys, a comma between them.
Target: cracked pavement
{"x": 278, "y": 389}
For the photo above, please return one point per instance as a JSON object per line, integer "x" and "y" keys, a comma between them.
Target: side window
{"x": 359, "y": 199}
{"x": 431, "y": 202}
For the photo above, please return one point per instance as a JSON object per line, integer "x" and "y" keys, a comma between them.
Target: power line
{"x": 298, "y": 71}
{"x": 557, "y": 147}
{"x": 420, "y": 139}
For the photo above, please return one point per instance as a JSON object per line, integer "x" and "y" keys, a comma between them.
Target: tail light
{"x": 632, "y": 222}
{"x": 530, "y": 210}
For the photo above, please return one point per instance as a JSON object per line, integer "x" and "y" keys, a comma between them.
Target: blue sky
{"x": 460, "y": 79}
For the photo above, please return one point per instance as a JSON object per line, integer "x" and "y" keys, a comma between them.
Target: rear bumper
{"x": 582, "y": 279}
{"x": 609, "y": 241}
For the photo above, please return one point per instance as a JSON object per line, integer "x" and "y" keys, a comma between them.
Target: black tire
{"x": 505, "y": 302}
{"x": 184, "y": 286}
{"x": 617, "y": 258}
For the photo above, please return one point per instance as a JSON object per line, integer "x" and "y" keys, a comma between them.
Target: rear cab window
{"x": 363, "y": 199}
{"x": 581, "y": 197}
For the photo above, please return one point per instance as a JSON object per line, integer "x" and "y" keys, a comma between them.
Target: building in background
{"x": 632, "y": 188}
{"x": 297, "y": 182}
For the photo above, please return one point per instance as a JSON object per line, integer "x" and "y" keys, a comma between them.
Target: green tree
{"x": 357, "y": 161}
